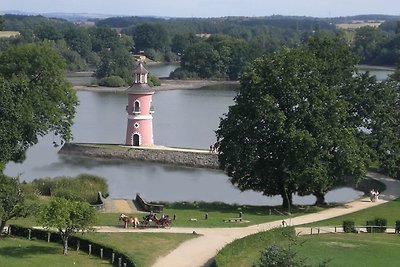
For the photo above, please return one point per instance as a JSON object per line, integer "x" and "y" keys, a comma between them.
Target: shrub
{"x": 381, "y": 223}
{"x": 348, "y": 226}
{"x": 182, "y": 74}
{"x": 43, "y": 185}
{"x": 84, "y": 187}
{"x": 112, "y": 81}
{"x": 378, "y": 225}
{"x": 397, "y": 229}
{"x": 154, "y": 55}
{"x": 154, "y": 80}
{"x": 369, "y": 225}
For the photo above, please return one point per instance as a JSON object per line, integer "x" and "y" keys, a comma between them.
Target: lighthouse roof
{"x": 140, "y": 69}
{"x": 140, "y": 85}
{"x": 139, "y": 88}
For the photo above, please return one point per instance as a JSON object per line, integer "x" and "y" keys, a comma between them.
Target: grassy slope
{"x": 246, "y": 251}
{"x": 387, "y": 211}
{"x": 18, "y": 252}
{"x": 142, "y": 248}
{"x": 356, "y": 250}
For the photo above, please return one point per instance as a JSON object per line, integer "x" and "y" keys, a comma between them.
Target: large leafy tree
{"x": 67, "y": 217}
{"x": 383, "y": 125}
{"x": 149, "y": 36}
{"x": 1, "y": 23}
{"x": 12, "y": 202}
{"x": 35, "y": 99}
{"x": 291, "y": 129}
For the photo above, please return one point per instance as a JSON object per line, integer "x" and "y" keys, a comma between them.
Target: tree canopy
{"x": 67, "y": 217}
{"x": 35, "y": 99}
{"x": 12, "y": 202}
{"x": 296, "y": 123}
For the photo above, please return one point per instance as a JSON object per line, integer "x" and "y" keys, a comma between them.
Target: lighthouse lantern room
{"x": 139, "y": 131}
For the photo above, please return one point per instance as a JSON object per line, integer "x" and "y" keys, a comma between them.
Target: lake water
{"x": 185, "y": 118}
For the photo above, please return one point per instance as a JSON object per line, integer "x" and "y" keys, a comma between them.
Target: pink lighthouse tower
{"x": 139, "y": 131}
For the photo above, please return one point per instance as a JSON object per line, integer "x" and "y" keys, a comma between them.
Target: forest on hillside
{"x": 218, "y": 48}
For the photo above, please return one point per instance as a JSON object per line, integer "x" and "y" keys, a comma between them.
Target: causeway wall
{"x": 164, "y": 155}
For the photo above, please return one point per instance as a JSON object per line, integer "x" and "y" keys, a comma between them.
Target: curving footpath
{"x": 201, "y": 251}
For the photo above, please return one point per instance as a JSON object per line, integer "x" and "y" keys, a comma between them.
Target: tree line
{"x": 219, "y": 48}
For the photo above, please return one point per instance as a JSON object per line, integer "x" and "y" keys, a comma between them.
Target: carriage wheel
{"x": 167, "y": 224}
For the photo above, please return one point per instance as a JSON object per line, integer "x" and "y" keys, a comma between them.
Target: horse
{"x": 126, "y": 219}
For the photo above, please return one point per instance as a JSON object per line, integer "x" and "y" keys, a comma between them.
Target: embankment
{"x": 165, "y": 155}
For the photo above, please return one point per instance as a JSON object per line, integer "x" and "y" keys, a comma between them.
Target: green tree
{"x": 148, "y": 36}
{"x": 12, "y": 202}
{"x": 67, "y": 217}
{"x": 103, "y": 38}
{"x": 289, "y": 129}
{"x": 368, "y": 42}
{"x": 202, "y": 59}
{"x": 383, "y": 124}
{"x": 78, "y": 40}
{"x": 1, "y": 23}
{"x": 35, "y": 99}
{"x": 115, "y": 62}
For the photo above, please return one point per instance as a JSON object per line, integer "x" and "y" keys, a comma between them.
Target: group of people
{"x": 214, "y": 148}
{"x": 373, "y": 195}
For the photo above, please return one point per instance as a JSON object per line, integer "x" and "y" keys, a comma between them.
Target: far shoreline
{"x": 166, "y": 85}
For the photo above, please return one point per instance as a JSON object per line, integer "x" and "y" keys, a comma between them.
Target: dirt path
{"x": 200, "y": 251}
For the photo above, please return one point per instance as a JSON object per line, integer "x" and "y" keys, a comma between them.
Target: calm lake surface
{"x": 185, "y": 118}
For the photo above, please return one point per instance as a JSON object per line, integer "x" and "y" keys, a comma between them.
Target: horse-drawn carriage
{"x": 164, "y": 221}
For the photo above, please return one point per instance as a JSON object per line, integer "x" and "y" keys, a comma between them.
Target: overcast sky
{"x": 207, "y": 8}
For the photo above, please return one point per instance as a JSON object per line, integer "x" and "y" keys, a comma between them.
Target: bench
{"x": 232, "y": 220}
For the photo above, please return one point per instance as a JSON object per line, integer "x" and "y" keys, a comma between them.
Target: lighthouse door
{"x": 135, "y": 140}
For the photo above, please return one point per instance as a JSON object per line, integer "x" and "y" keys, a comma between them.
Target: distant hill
{"x": 73, "y": 17}
{"x": 370, "y": 17}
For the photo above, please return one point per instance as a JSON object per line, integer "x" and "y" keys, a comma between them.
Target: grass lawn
{"x": 246, "y": 251}
{"x": 17, "y": 252}
{"x": 388, "y": 211}
{"x": 216, "y": 213}
{"x": 142, "y": 248}
{"x": 356, "y": 250}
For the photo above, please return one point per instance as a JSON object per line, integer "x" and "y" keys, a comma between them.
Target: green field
{"x": 355, "y": 250}
{"x": 217, "y": 212}
{"x": 246, "y": 251}
{"x": 17, "y": 252}
{"x": 387, "y": 211}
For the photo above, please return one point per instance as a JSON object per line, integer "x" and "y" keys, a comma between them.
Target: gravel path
{"x": 200, "y": 251}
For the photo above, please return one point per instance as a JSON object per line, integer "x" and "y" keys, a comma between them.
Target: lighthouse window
{"x": 136, "y": 106}
{"x": 136, "y": 125}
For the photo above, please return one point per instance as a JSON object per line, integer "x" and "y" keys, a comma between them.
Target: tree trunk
{"x": 287, "y": 201}
{"x": 2, "y": 225}
{"x": 320, "y": 199}
{"x": 65, "y": 244}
